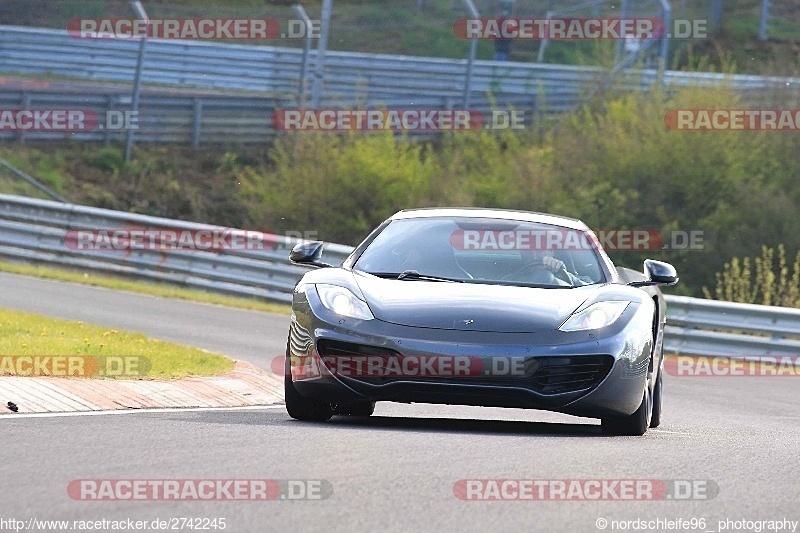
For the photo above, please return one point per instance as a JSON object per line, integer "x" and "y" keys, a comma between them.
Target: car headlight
{"x": 596, "y": 316}
{"x": 343, "y": 302}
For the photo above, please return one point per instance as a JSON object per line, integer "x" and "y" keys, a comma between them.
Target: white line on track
{"x": 13, "y": 416}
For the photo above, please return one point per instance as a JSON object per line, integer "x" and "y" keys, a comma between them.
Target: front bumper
{"x": 580, "y": 373}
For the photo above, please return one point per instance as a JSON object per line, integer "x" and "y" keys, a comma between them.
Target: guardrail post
{"x": 623, "y": 13}
{"x": 716, "y": 14}
{"x": 301, "y": 13}
{"x": 197, "y": 123}
{"x": 137, "y": 79}
{"x": 473, "y": 50}
{"x": 666, "y": 19}
{"x": 322, "y": 50}
{"x": 543, "y": 43}
{"x": 763, "y": 24}
{"x": 107, "y": 131}
{"x": 26, "y": 104}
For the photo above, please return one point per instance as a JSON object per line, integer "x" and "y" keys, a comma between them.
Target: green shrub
{"x": 759, "y": 280}
{"x": 109, "y": 158}
{"x": 339, "y": 186}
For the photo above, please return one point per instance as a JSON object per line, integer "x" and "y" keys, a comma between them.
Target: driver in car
{"x": 543, "y": 264}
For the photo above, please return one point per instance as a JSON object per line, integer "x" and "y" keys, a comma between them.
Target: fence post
{"x": 322, "y": 48}
{"x": 473, "y": 49}
{"x": 716, "y": 14}
{"x": 623, "y": 13}
{"x": 107, "y": 131}
{"x": 666, "y": 18}
{"x": 26, "y": 104}
{"x": 543, "y": 43}
{"x": 197, "y": 123}
{"x": 137, "y": 79}
{"x": 301, "y": 13}
{"x": 763, "y": 24}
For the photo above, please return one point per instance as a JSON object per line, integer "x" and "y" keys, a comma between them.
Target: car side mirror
{"x": 657, "y": 273}
{"x": 307, "y": 254}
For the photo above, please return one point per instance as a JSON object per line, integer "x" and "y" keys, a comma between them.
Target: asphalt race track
{"x": 734, "y": 441}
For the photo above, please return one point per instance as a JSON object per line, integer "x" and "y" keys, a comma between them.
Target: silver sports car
{"x": 478, "y": 307}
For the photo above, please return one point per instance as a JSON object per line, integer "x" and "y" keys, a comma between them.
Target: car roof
{"x": 502, "y": 214}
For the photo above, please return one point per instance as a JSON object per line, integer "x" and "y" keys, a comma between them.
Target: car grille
{"x": 331, "y": 348}
{"x": 556, "y": 375}
{"x": 545, "y": 375}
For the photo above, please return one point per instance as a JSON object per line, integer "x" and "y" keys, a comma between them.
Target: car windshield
{"x": 483, "y": 250}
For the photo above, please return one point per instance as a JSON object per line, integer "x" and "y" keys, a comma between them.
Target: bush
{"x": 759, "y": 280}
{"x": 110, "y": 159}
{"x": 626, "y": 169}
{"x": 339, "y": 186}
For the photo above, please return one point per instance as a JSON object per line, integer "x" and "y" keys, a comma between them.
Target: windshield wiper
{"x": 414, "y": 275}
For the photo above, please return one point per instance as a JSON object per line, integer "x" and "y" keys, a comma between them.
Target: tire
{"x": 355, "y": 409}
{"x": 301, "y": 408}
{"x": 658, "y": 395}
{"x": 635, "y": 424}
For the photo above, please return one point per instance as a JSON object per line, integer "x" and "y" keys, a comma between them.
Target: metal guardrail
{"x": 266, "y": 78}
{"x": 162, "y": 118}
{"x": 33, "y": 230}
{"x": 712, "y": 327}
{"x": 349, "y": 78}
{"x": 196, "y": 120}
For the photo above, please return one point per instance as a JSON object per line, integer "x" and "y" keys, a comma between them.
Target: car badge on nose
{"x": 467, "y": 322}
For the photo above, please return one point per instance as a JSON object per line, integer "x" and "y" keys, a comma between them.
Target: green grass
{"x": 95, "y": 347}
{"x": 154, "y": 289}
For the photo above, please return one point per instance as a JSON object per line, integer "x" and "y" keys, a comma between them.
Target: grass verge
{"x": 143, "y": 287}
{"x": 96, "y": 351}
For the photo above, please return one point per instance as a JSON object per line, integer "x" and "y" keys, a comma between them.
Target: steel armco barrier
{"x": 35, "y": 231}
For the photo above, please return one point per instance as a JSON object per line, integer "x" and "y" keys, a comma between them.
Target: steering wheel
{"x": 542, "y": 274}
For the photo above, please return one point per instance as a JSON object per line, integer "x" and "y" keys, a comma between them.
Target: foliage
{"x": 759, "y": 280}
{"x": 613, "y": 164}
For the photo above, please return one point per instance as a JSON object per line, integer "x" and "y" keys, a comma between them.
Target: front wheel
{"x": 635, "y": 424}
{"x": 301, "y": 408}
{"x": 658, "y": 395}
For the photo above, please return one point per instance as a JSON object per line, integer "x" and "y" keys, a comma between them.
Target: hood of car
{"x": 470, "y": 306}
